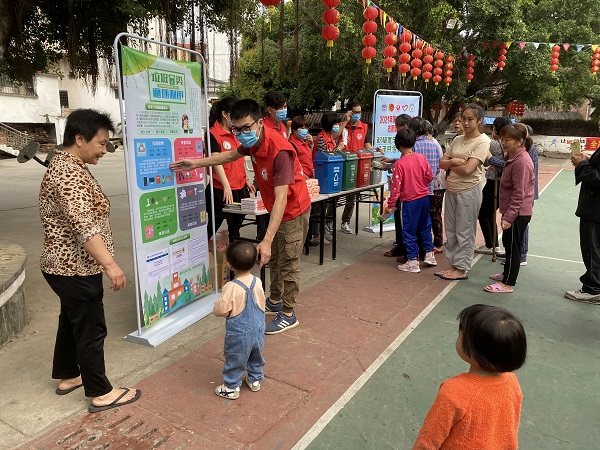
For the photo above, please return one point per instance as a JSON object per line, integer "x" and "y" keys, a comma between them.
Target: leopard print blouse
{"x": 73, "y": 209}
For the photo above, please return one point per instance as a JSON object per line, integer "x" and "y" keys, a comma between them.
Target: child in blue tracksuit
{"x": 242, "y": 302}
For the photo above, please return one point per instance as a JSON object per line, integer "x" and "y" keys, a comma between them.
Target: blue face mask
{"x": 355, "y": 117}
{"x": 302, "y": 133}
{"x": 249, "y": 139}
{"x": 281, "y": 114}
{"x": 335, "y": 128}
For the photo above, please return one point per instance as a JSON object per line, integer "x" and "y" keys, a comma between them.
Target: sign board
{"x": 164, "y": 122}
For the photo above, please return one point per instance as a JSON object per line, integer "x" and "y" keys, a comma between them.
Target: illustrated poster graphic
{"x": 164, "y": 124}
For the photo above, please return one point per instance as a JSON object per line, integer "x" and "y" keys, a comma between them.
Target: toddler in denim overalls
{"x": 242, "y": 302}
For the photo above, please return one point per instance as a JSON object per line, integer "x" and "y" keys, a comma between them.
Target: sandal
{"x": 497, "y": 288}
{"x": 497, "y": 277}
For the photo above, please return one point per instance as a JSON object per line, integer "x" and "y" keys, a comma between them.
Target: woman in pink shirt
{"x": 517, "y": 189}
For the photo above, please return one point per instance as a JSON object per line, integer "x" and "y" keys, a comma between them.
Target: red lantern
{"x": 389, "y": 64}
{"x": 270, "y": 4}
{"x": 447, "y": 80}
{"x": 331, "y": 3}
{"x": 330, "y": 33}
{"x": 406, "y": 36}
{"x": 404, "y": 58}
{"x": 404, "y": 47}
{"x": 391, "y": 27}
{"x": 415, "y": 72}
{"x": 369, "y": 40}
{"x": 554, "y": 58}
{"x": 437, "y": 79}
{"x": 331, "y": 16}
{"x": 429, "y": 50}
{"x": 502, "y": 56}
{"x": 501, "y": 65}
{"x": 595, "y": 68}
{"x": 469, "y": 77}
{"x": 419, "y": 44}
{"x": 403, "y": 69}
{"x": 368, "y": 53}
{"x": 390, "y": 51}
{"x": 370, "y": 13}
{"x": 390, "y": 39}
{"x": 370, "y": 26}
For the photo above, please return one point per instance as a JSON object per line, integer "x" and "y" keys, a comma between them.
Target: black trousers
{"x": 487, "y": 213}
{"x": 234, "y": 221}
{"x": 512, "y": 239}
{"x": 79, "y": 347}
{"x": 589, "y": 241}
{"x": 400, "y": 249}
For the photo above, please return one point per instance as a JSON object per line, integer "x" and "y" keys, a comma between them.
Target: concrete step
{"x": 7, "y": 150}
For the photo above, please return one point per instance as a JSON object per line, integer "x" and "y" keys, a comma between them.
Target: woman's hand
{"x": 309, "y": 140}
{"x": 182, "y": 164}
{"x": 227, "y": 196}
{"x": 117, "y": 277}
{"x": 505, "y": 225}
{"x": 251, "y": 187}
{"x": 458, "y": 162}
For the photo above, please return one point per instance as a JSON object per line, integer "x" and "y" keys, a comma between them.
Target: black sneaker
{"x": 273, "y": 308}
{"x": 281, "y": 323}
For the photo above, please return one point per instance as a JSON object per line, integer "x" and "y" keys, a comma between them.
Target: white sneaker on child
{"x": 225, "y": 392}
{"x": 253, "y": 385}
{"x": 412, "y": 266}
{"x": 430, "y": 259}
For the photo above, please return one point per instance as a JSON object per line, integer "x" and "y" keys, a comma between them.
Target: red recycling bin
{"x": 363, "y": 171}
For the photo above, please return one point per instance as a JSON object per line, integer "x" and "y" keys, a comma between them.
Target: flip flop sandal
{"x": 497, "y": 288}
{"x": 497, "y": 277}
{"x": 446, "y": 277}
{"x": 66, "y": 391}
{"x": 115, "y": 404}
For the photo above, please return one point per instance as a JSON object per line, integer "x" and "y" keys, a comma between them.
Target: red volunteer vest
{"x": 356, "y": 136}
{"x": 329, "y": 142}
{"x": 268, "y": 122}
{"x": 298, "y": 200}
{"x": 304, "y": 155}
{"x": 235, "y": 172}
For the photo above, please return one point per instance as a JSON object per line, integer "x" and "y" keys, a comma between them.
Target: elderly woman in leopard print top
{"x": 78, "y": 247}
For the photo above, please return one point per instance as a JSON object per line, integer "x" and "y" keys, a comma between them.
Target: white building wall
{"x": 22, "y": 109}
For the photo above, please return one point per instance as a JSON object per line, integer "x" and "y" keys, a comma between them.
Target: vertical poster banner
{"x": 163, "y": 124}
{"x": 386, "y": 107}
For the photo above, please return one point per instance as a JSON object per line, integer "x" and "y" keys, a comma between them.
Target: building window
{"x": 64, "y": 98}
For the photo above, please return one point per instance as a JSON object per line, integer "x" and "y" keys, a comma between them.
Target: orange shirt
{"x": 472, "y": 412}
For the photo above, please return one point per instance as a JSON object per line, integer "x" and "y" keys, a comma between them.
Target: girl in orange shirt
{"x": 480, "y": 409}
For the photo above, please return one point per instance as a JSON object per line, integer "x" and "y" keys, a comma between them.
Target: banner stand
{"x": 172, "y": 324}
{"x": 178, "y": 316}
{"x": 387, "y": 105}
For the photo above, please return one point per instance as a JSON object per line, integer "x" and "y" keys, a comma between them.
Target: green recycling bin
{"x": 350, "y": 168}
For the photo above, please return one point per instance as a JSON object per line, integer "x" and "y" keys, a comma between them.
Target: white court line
{"x": 359, "y": 383}
{"x": 555, "y": 259}
{"x": 367, "y": 374}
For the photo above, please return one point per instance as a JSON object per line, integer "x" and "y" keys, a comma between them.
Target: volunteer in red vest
{"x": 229, "y": 180}
{"x": 302, "y": 142}
{"x": 276, "y": 112}
{"x": 281, "y": 183}
{"x": 355, "y": 136}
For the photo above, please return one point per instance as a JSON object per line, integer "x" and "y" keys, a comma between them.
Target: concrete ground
{"x": 351, "y": 311}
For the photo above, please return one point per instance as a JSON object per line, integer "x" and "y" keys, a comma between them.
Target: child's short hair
{"x": 241, "y": 255}
{"x": 405, "y": 138}
{"x": 493, "y": 337}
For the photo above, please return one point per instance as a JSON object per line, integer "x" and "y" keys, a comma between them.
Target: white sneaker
{"x": 486, "y": 250}
{"x": 430, "y": 259}
{"x": 346, "y": 228}
{"x": 253, "y": 385}
{"x": 328, "y": 227}
{"x": 225, "y": 392}
{"x": 412, "y": 266}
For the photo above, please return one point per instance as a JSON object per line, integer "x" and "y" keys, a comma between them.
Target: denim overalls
{"x": 244, "y": 340}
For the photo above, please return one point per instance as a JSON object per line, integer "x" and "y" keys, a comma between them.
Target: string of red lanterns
{"x": 470, "y": 67}
{"x": 438, "y": 63}
{"x": 595, "y": 62}
{"x": 448, "y": 70}
{"x": 416, "y": 62}
{"x": 330, "y": 16}
{"x": 428, "y": 59}
{"x": 390, "y": 51}
{"x": 502, "y": 56}
{"x": 554, "y": 58}
{"x": 369, "y": 40}
{"x": 404, "y": 57}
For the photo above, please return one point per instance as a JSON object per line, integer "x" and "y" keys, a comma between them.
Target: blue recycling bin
{"x": 328, "y": 170}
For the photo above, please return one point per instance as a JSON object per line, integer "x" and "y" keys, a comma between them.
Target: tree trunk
{"x": 296, "y": 37}
{"x": 281, "y": 50}
{"x": 192, "y": 31}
